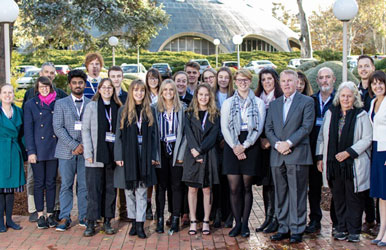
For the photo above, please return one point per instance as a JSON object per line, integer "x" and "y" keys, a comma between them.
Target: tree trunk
{"x": 305, "y": 37}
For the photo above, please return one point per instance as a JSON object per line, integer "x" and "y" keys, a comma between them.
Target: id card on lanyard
{"x": 244, "y": 118}
{"x": 110, "y": 136}
{"x": 170, "y": 136}
{"x": 78, "y": 124}
{"x": 139, "y": 125}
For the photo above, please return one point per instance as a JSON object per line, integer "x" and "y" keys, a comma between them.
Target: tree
{"x": 305, "y": 36}
{"x": 283, "y": 15}
{"x": 64, "y": 23}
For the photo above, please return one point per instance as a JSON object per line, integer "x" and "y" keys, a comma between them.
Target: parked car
{"x": 62, "y": 69}
{"x": 164, "y": 69}
{"x": 204, "y": 64}
{"x": 257, "y": 65}
{"x": 25, "y": 68}
{"x": 230, "y": 64}
{"x": 134, "y": 69}
{"x": 296, "y": 62}
{"x": 28, "y": 79}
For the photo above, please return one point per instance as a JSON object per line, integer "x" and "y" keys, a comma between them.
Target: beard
{"x": 325, "y": 88}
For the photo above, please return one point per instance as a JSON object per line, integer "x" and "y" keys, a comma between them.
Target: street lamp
{"x": 217, "y": 43}
{"x": 8, "y": 14}
{"x": 237, "y": 40}
{"x": 345, "y": 10}
{"x": 113, "y": 41}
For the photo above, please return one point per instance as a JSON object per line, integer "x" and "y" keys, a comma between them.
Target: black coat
{"x": 204, "y": 142}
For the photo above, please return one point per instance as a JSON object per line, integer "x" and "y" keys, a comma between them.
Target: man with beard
{"x": 94, "y": 64}
{"x": 67, "y": 123}
{"x": 322, "y": 100}
{"x": 193, "y": 71}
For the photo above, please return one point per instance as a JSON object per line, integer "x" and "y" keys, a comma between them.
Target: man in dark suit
{"x": 67, "y": 123}
{"x": 115, "y": 73}
{"x": 289, "y": 122}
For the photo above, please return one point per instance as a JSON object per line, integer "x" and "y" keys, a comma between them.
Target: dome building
{"x": 194, "y": 24}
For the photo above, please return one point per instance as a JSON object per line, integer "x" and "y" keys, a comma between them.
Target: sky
{"x": 308, "y": 5}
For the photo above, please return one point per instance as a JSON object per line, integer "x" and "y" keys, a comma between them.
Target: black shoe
{"x": 149, "y": 212}
{"x": 229, "y": 221}
{"x": 133, "y": 229}
{"x": 272, "y": 227}
{"x": 245, "y": 231}
{"x": 33, "y": 217}
{"x": 353, "y": 238}
{"x": 107, "y": 227}
{"x": 235, "y": 231}
{"x": 56, "y": 215}
{"x": 280, "y": 236}
{"x": 313, "y": 227}
{"x": 341, "y": 236}
{"x": 267, "y": 221}
{"x": 217, "y": 219}
{"x": 42, "y": 223}
{"x": 175, "y": 226}
{"x": 90, "y": 230}
{"x": 140, "y": 231}
{"x": 296, "y": 238}
{"x": 333, "y": 231}
{"x": 51, "y": 221}
{"x": 160, "y": 225}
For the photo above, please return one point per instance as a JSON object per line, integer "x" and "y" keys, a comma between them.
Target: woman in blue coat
{"x": 40, "y": 145}
{"x": 12, "y": 177}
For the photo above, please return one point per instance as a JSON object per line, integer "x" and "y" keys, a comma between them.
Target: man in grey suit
{"x": 288, "y": 125}
{"x": 67, "y": 125}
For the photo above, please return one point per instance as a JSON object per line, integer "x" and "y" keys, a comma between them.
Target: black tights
{"x": 6, "y": 205}
{"x": 236, "y": 183}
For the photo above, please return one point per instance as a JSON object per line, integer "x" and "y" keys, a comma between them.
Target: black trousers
{"x": 101, "y": 192}
{"x": 315, "y": 193}
{"x": 348, "y": 205}
{"x": 169, "y": 175}
{"x": 369, "y": 207}
{"x": 44, "y": 173}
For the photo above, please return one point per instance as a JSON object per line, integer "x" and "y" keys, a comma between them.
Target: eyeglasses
{"x": 152, "y": 79}
{"x": 209, "y": 78}
{"x": 242, "y": 80}
{"x": 107, "y": 88}
{"x": 192, "y": 72}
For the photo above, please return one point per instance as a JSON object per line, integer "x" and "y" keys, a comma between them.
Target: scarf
{"x": 47, "y": 99}
{"x": 235, "y": 116}
{"x": 334, "y": 168}
{"x": 267, "y": 98}
{"x": 104, "y": 152}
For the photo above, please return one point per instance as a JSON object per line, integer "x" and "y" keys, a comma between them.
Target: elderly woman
{"x": 343, "y": 150}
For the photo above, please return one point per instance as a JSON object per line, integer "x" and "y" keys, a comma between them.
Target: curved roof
{"x": 222, "y": 19}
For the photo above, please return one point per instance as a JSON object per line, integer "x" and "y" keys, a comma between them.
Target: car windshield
{"x": 160, "y": 66}
{"x": 231, "y": 64}
{"x": 261, "y": 63}
{"x": 130, "y": 69}
{"x": 203, "y": 63}
{"x": 30, "y": 73}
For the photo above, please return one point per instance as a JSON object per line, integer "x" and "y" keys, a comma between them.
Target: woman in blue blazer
{"x": 40, "y": 145}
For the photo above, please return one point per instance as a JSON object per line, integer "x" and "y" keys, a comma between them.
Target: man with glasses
{"x": 193, "y": 71}
{"x": 48, "y": 70}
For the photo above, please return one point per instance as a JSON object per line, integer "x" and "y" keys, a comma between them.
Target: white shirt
{"x": 287, "y": 105}
{"x": 78, "y": 99}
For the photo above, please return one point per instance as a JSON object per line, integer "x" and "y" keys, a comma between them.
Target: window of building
{"x": 191, "y": 43}
{"x": 253, "y": 44}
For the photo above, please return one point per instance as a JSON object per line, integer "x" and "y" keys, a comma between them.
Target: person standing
{"x": 67, "y": 124}
{"x": 181, "y": 80}
{"x": 12, "y": 153}
{"x": 115, "y": 73}
{"x": 40, "y": 145}
{"x": 209, "y": 76}
{"x": 193, "y": 71}
{"x": 94, "y": 64}
{"x": 135, "y": 153}
{"x": 98, "y": 137}
{"x": 242, "y": 122}
{"x": 289, "y": 122}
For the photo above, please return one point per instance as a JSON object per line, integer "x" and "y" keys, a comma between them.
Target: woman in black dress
{"x": 242, "y": 121}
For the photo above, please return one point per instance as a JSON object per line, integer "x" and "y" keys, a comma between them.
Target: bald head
{"x": 326, "y": 79}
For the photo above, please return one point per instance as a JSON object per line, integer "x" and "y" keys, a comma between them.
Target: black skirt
{"x": 249, "y": 166}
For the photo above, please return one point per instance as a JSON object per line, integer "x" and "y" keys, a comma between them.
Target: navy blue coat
{"x": 39, "y": 135}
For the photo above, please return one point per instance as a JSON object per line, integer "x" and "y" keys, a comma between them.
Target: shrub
{"x": 329, "y": 55}
{"x": 308, "y": 65}
{"x": 379, "y": 65}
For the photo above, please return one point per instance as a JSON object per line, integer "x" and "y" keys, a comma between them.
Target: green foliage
{"x": 336, "y": 67}
{"x": 61, "y": 81}
{"x": 308, "y": 65}
{"x": 19, "y": 95}
{"x": 379, "y": 65}
{"x": 329, "y": 55}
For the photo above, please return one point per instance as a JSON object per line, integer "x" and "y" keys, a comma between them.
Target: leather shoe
{"x": 272, "y": 227}
{"x": 133, "y": 229}
{"x": 235, "y": 231}
{"x": 312, "y": 227}
{"x": 296, "y": 238}
{"x": 245, "y": 232}
{"x": 140, "y": 230}
{"x": 90, "y": 230}
{"x": 265, "y": 224}
{"x": 280, "y": 236}
{"x": 229, "y": 221}
{"x": 367, "y": 226}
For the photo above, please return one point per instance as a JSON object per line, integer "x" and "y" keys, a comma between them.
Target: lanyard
{"x": 81, "y": 108}
{"x": 139, "y": 123}
{"x": 170, "y": 119}
{"x": 109, "y": 118}
{"x": 204, "y": 120}
{"x": 323, "y": 104}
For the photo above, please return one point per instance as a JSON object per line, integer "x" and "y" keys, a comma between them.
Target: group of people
{"x": 202, "y": 143}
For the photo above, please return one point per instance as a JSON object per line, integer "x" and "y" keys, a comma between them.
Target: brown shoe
{"x": 367, "y": 226}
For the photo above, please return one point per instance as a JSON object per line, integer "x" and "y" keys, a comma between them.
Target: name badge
{"x": 78, "y": 125}
{"x": 171, "y": 138}
{"x": 110, "y": 137}
{"x": 319, "y": 121}
{"x": 244, "y": 127}
{"x": 139, "y": 139}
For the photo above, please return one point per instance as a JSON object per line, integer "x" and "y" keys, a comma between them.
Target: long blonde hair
{"x": 212, "y": 108}
{"x": 129, "y": 113}
{"x": 176, "y": 100}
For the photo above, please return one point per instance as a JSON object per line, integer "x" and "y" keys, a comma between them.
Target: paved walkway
{"x": 32, "y": 238}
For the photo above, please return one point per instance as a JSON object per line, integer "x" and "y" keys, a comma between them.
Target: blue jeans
{"x": 68, "y": 169}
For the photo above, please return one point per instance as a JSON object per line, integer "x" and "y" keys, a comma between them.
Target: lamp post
{"x": 217, "y": 43}
{"x": 137, "y": 58}
{"x": 9, "y": 11}
{"x": 113, "y": 41}
{"x": 237, "y": 40}
{"x": 345, "y": 10}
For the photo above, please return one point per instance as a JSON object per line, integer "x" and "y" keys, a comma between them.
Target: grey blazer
{"x": 296, "y": 128}
{"x": 180, "y": 146}
{"x": 65, "y": 115}
{"x": 90, "y": 134}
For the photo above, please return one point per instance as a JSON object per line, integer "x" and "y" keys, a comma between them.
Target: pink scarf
{"x": 48, "y": 99}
